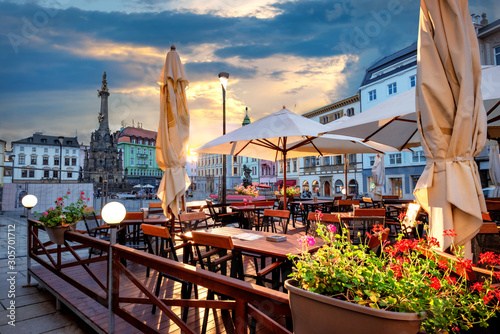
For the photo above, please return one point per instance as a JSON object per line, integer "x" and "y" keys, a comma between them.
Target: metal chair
{"x": 221, "y": 218}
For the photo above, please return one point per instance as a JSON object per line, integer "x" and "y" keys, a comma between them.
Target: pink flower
{"x": 45, "y": 213}
{"x": 307, "y": 239}
{"x": 332, "y": 228}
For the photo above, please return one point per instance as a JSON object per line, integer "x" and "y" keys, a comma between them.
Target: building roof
{"x": 128, "y": 132}
{"x": 488, "y": 29}
{"x": 332, "y": 106}
{"x": 40, "y": 139}
{"x": 408, "y": 52}
{"x": 246, "y": 120}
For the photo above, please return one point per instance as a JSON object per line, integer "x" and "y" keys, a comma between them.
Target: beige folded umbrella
{"x": 378, "y": 174}
{"x": 173, "y": 133}
{"x": 451, "y": 120}
{"x": 495, "y": 169}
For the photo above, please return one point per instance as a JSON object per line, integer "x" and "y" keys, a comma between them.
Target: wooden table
{"x": 275, "y": 250}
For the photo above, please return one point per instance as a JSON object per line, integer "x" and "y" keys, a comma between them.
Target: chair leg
{"x": 210, "y": 296}
{"x": 157, "y": 290}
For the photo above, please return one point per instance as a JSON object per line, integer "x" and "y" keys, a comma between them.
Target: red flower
{"x": 450, "y": 233}
{"x": 82, "y": 193}
{"x": 378, "y": 228}
{"x": 443, "y": 264}
{"x": 478, "y": 286}
{"x": 69, "y": 192}
{"x": 432, "y": 242}
{"x": 436, "y": 284}
{"x": 489, "y": 258}
{"x": 402, "y": 215}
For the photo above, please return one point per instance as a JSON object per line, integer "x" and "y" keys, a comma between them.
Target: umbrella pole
{"x": 284, "y": 180}
{"x": 345, "y": 175}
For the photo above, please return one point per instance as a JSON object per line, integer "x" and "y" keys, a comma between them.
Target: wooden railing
{"x": 244, "y": 299}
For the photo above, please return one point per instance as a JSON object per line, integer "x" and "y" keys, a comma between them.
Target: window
{"x": 497, "y": 55}
{"x": 73, "y": 161}
{"x": 313, "y": 161}
{"x": 338, "y": 160}
{"x": 31, "y": 173}
{"x": 67, "y": 151}
{"x": 150, "y": 151}
{"x": 288, "y": 166}
{"x": 294, "y": 165}
{"x": 22, "y": 159}
{"x": 392, "y": 88}
{"x": 33, "y": 150}
{"x": 132, "y": 162}
{"x": 352, "y": 158}
{"x": 327, "y": 161}
{"x": 350, "y": 111}
{"x": 395, "y": 158}
{"x": 24, "y": 173}
{"x": 235, "y": 170}
{"x": 45, "y": 161}
{"x": 418, "y": 156}
{"x": 372, "y": 160}
{"x": 308, "y": 162}
{"x": 33, "y": 159}
{"x": 56, "y": 160}
{"x": 46, "y": 173}
{"x": 55, "y": 174}
{"x": 21, "y": 149}
{"x": 131, "y": 150}
{"x": 57, "y": 151}
{"x": 372, "y": 95}
{"x": 339, "y": 185}
{"x": 140, "y": 141}
{"x": 413, "y": 80}
{"x": 235, "y": 159}
{"x": 138, "y": 150}
{"x": 66, "y": 161}
{"x": 323, "y": 119}
{"x": 150, "y": 162}
{"x": 414, "y": 180}
{"x": 45, "y": 150}
{"x": 70, "y": 174}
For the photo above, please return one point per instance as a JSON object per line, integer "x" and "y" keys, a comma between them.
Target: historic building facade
{"x": 139, "y": 148}
{"x": 103, "y": 159}
{"x": 44, "y": 158}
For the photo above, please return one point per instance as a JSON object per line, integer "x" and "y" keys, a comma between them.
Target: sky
{"x": 299, "y": 54}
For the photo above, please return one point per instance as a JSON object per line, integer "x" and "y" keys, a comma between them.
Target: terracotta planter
{"x": 314, "y": 313}
{"x": 56, "y": 233}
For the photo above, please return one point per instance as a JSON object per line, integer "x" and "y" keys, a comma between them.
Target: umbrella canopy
{"x": 148, "y": 186}
{"x": 287, "y": 133}
{"x": 495, "y": 169}
{"x": 173, "y": 133}
{"x": 394, "y": 121}
{"x": 378, "y": 174}
{"x": 451, "y": 120}
{"x": 138, "y": 186}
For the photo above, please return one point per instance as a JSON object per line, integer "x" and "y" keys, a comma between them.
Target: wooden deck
{"x": 69, "y": 281}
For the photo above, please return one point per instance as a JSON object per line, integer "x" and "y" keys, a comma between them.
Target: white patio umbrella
{"x": 451, "y": 120}
{"x": 378, "y": 174}
{"x": 283, "y": 135}
{"x": 394, "y": 122}
{"x": 495, "y": 169}
{"x": 148, "y": 186}
{"x": 173, "y": 133}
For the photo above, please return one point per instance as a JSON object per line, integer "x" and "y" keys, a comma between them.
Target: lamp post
{"x": 61, "y": 141}
{"x": 223, "y": 77}
{"x": 29, "y": 201}
{"x": 112, "y": 213}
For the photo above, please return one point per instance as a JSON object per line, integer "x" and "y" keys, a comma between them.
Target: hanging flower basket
{"x": 56, "y": 233}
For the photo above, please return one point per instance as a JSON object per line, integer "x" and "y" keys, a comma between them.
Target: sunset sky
{"x": 298, "y": 54}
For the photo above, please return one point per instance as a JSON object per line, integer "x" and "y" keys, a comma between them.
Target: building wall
{"x": 2, "y": 160}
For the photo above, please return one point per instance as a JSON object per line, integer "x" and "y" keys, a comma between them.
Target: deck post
{"x": 111, "y": 314}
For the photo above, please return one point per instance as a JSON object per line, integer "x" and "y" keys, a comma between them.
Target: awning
{"x": 289, "y": 183}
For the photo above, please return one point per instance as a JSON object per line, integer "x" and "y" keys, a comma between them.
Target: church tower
{"x": 103, "y": 159}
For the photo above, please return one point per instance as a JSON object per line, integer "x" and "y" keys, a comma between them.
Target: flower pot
{"x": 56, "y": 233}
{"x": 315, "y": 313}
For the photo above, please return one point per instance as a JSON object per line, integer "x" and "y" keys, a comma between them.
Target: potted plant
{"x": 406, "y": 288}
{"x": 58, "y": 219}
{"x": 250, "y": 190}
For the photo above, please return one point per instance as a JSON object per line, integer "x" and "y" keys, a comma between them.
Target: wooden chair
{"x": 133, "y": 235}
{"x": 326, "y": 219}
{"x": 94, "y": 227}
{"x": 221, "y": 218}
{"x": 347, "y": 205}
{"x": 390, "y": 197}
{"x": 270, "y": 217}
{"x": 215, "y": 260}
{"x": 369, "y": 212}
{"x": 159, "y": 242}
{"x": 155, "y": 208}
{"x": 367, "y": 202}
{"x": 191, "y": 220}
{"x": 361, "y": 225}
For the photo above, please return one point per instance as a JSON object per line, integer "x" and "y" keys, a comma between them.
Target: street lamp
{"x": 223, "y": 77}
{"x": 112, "y": 213}
{"x": 61, "y": 141}
{"x": 29, "y": 201}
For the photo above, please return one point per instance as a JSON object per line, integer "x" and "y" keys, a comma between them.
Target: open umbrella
{"x": 173, "y": 133}
{"x": 378, "y": 174}
{"x": 451, "y": 120}
{"x": 283, "y": 133}
{"x": 394, "y": 121}
{"x": 495, "y": 169}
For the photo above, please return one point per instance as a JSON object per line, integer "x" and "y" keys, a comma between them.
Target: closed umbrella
{"x": 283, "y": 135}
{"x": 451, "y": 120}
{"x": 378, "y": 174}
{"x": 173, "y": 133}
{"x": 495, "y": 169}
